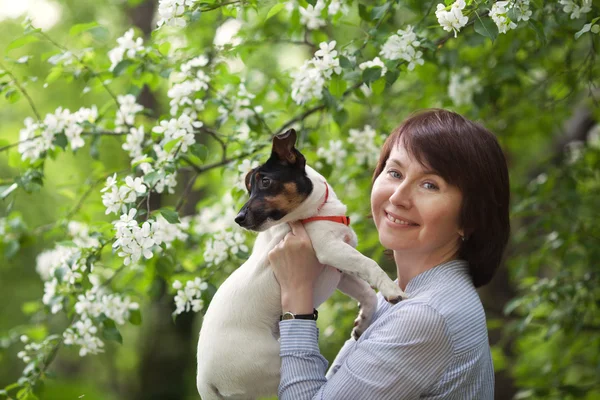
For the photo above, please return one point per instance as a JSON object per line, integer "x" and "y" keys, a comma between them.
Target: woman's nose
{"x": 402, "y": 196}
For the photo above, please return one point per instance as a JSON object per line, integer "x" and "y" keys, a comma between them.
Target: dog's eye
{"x": 265, "y": 183}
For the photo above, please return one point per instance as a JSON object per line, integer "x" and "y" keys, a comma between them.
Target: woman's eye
{"x": 265, "y": 182}
{"x": 394, "y": 174}
{"x": 429, "y": 185}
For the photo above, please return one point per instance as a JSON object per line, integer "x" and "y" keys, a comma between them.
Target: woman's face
{"x": 414, "y": 209}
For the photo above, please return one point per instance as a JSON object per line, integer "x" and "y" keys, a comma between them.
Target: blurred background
{"x": 536, "y": 88}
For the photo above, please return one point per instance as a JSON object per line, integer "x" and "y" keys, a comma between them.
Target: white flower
{"x": 171, "y": 12}
{"x": 454, "y": 19}
{"x": 403, "y": 46}
{"x": 462, "y": 87}
{"x": 189, "y": 296}
{"x": 134, "y": 142}
{"x": 366, "y": 150}
{"x": 576, "y": 10}
{"x": 127, "y": 46}
{"x": 311, "y": 15}
{"x": 128, "y": 108}
{"x": 310, "y": 79}
{"x": 135, "y": 184}
{"x": 593, "y": 27}
{"x": 376, "y": 62}
{"x": 498, "y": 15}
{"x": 334, "y": 154}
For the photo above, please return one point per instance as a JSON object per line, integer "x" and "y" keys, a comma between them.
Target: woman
{"x": 440, "y": 202}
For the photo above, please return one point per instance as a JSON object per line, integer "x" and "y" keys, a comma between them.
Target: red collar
{"x": 340, "y": 219}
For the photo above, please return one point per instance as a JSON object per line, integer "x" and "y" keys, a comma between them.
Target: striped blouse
{"x": 433, "y": 345}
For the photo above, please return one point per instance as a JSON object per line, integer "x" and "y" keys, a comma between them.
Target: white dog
{"x": 238, "y": 348}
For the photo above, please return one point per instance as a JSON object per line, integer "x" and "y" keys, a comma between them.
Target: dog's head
{"x": 277, "y": 187}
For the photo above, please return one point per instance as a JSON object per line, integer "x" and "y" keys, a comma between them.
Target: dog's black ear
{"x": 284, "y": 149}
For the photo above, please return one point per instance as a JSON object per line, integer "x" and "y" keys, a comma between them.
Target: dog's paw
{"x": 392, "y": 293}
{"x": 363, "y": 320}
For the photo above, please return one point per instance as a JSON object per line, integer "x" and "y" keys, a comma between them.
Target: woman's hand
{"x": 296, "y": 268}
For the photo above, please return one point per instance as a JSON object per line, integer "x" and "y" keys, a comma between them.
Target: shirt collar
{"x": 438, "y": 273}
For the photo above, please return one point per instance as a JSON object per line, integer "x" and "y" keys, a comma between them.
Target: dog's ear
{"x": 285, "y": 151}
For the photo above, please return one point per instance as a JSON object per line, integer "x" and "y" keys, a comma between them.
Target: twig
{"x": 187, "y": 190}
{"x": 22, "y": 90}
{"x": 91, "y": 71}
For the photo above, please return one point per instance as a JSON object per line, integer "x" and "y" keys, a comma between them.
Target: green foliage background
{"x": 543, "y": 314}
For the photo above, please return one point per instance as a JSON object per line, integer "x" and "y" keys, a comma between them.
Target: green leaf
{"x": 121, "y": 67}
{"x": 340, "y": 117}
{"x": 143, "y": 160}
{"x": 337, "y": 86}
{"x": 151, "y": 178}
{"x": 391, "y": 77}
{"x": 164, "y": 48}
{"x": 274, "y": 10}
{"x": 170, "y": 215}
{"x": 312, "y": 2}
{"x": 169, "y": 146}
{"x": 135, "y": 317}
{"x": 13, "y": 95}
{"x": 486, "y": 27}
{"x": 364, "y": 14}
{"x": 110, "y": 331}
{"x": 60, "y": 140}
{"x": 539, "y": 31}
{"x": 378, "y": 86}
{"x": 371, "y": 74}
{"x": 200, "y": 151}
{"x": 79, "y": 28}
{"x": 20, "y": 42}
{"x": 345, "y": 63}
{"x": 54, "y": 74}
{"x": 378, "y": 12}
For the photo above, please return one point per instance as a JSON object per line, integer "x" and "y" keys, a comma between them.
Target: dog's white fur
{"x": 238, "y": 349}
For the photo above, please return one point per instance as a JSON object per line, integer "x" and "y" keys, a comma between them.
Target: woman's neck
{"x": 409, "y": 265}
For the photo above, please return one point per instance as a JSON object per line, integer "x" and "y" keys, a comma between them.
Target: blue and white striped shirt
{"x": 433, "y": 345}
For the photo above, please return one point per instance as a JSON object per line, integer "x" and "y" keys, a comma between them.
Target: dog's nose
{"x": 241, "y": 217}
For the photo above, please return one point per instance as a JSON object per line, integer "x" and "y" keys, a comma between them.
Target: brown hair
{"x": 469, "y": 157}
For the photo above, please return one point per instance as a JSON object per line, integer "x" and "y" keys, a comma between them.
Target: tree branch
{"x": 22, "y": 90}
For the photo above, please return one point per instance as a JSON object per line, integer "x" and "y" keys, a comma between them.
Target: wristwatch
{"x": 289, "y": 315}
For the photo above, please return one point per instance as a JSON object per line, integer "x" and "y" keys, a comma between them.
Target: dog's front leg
{"x": 346, "y": 258}
{"x": 367, "y": 301}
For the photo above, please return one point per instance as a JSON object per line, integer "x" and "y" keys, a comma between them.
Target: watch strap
{"x": 313, "y": 316}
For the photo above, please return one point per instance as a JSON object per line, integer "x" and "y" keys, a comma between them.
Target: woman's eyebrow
{"x": 425, "y": 171}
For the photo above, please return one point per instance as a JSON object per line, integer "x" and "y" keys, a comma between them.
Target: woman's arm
{"x": 405, "y": 354}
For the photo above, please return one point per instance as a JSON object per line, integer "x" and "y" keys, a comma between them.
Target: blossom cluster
{"x": 453, "y": 19}
{"x": 128, "y": 48}
{"x": 576, "y": 8}
{"x": 310, "y": 79}
{"x": 376, "y": 62}
{"x": 116, "y": 198}
{"x": 334, "y": 154}
{"x": 365, "y": 144}
{"x": 128, "y": 109}
{"x": 499, "y": 14}
{"x": 236, "y": 102}
{"x": 189, "y": 296}
{"x": 62, "y": 267}
{"x": 463, "y": 86}
{"x": 189, "y": 82}
{"x": 38, "y": 137}
{"x": 403, "y": 45}
{"x": 134, "y": 241}
{"x": 171, "y": 12}
{"x": 90, "y": 306}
